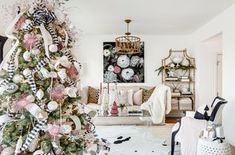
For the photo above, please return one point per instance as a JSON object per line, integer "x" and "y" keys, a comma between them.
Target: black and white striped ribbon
{"x": 43, "y": 16}
{"x": 71, "y": 83}
{"x": 70, "y": 41}
{"x": 31, "y": 82}
{"x": 33, "y": 134}
{"x": 63, "y": 39}
{"x": 69, "y": 56}
{"x": 40, "y": 64}
{"x": 53, "y": 34}
{"x": 29, "y": 27}
{"x": 10, "y": 69}
{"x": 39, "y": 45}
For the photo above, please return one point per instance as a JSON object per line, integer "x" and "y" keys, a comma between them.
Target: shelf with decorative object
{"x": 178, "y": 72}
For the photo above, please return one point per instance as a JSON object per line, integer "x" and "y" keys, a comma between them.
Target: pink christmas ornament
{"x": 30, "y": 40}
{"x": 22, "y": 102}
{"x": 53, "y": 129}
{"x": 57, "y": 93}
{"x": 19, "y": 23}
{"x": 72, "y": 72}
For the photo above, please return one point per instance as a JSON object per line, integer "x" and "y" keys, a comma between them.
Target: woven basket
{"x": 206, "y": 147}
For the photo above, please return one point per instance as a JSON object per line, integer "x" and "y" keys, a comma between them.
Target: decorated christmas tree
{"x": 39, "y": 88}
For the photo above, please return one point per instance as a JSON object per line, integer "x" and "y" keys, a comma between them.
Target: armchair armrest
{"x": 190, "y": 114}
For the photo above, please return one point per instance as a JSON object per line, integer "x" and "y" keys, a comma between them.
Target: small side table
{"x": 207, "y": 147}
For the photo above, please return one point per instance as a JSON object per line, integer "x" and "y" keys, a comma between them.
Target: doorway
{"x": 219, "y": 71}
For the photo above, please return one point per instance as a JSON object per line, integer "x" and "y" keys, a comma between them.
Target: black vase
{"x": 2, "y": 42}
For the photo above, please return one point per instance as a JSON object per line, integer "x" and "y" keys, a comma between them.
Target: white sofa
{"x": 96, "y": 107}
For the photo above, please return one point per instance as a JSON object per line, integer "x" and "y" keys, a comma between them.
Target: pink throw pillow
{"x": 137, "y": 97}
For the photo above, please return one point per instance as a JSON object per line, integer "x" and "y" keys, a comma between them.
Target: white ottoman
{"x": 207, "y": 147}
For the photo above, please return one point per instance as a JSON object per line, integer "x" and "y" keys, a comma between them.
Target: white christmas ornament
{"x": 71, "y": 91}
{"x": 3, "y": 72}
{"x": 27, "y": 72}
{"x": 27, "y": 56}
{"x": 41, "y": 115}
{"x": 45, "y": 72}
{"x": 38, "y": 152}
{"x": 2, "y": 89}
{"x": 17, "y": 78}
{"x": 62, "y": 74}
{"x": 35, "y": 51}
{"x": 8, "y": 151}
{"x": 52, "y": 105}
{"x": 11, "y": 88}
{"x": 53, "y": 48}
{"x": 53, "y": 74}
{"x": 40, "y": 94}
{"x": 63, "y": 61}
{"x": 30, "y": 98}
{"x": 65, "y": 129}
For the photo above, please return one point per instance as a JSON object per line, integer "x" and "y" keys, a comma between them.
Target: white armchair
{"x": 187, "y": 130}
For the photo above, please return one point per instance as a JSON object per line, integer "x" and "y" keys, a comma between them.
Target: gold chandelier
{"x": 128, "y": 44}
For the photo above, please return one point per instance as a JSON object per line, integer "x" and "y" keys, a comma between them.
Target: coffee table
{"x": 123, "y": 120}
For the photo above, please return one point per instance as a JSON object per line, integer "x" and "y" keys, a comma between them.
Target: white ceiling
{"x": 150, "y": 17}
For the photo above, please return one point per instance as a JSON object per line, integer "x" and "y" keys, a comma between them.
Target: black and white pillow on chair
{"x": 211, "y": 113}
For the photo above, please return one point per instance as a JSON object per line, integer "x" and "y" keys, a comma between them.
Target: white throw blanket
{"x": 158, "y": 104}
{"x": 188, "y": 134}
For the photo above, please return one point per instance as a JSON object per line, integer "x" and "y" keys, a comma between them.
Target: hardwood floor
{"x": 172, "y": 119}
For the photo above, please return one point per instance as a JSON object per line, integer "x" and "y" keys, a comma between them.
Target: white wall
{"x": 225, "y": 24}
{"x": 89, "y": 52}
{"x": 206, "y": 56}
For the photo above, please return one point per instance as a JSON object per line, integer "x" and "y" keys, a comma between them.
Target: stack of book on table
{"x": 135, "y": 113}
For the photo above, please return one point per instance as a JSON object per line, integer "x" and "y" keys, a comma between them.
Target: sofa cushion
{"x": 93, "y": 95}
{"x": 130, "y": 94}
{"x": 137, "y": 97}
{"x": 147, "y": 93}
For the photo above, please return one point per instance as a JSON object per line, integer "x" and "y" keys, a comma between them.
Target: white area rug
{"x": 145, "y": 140}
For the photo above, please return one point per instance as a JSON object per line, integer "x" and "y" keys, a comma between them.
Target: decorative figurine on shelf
{"x": 114, "y": 110}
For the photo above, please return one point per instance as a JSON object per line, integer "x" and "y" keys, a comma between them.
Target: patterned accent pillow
{"x": 93, "y": 95}
{"x": 147, "y": 93}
